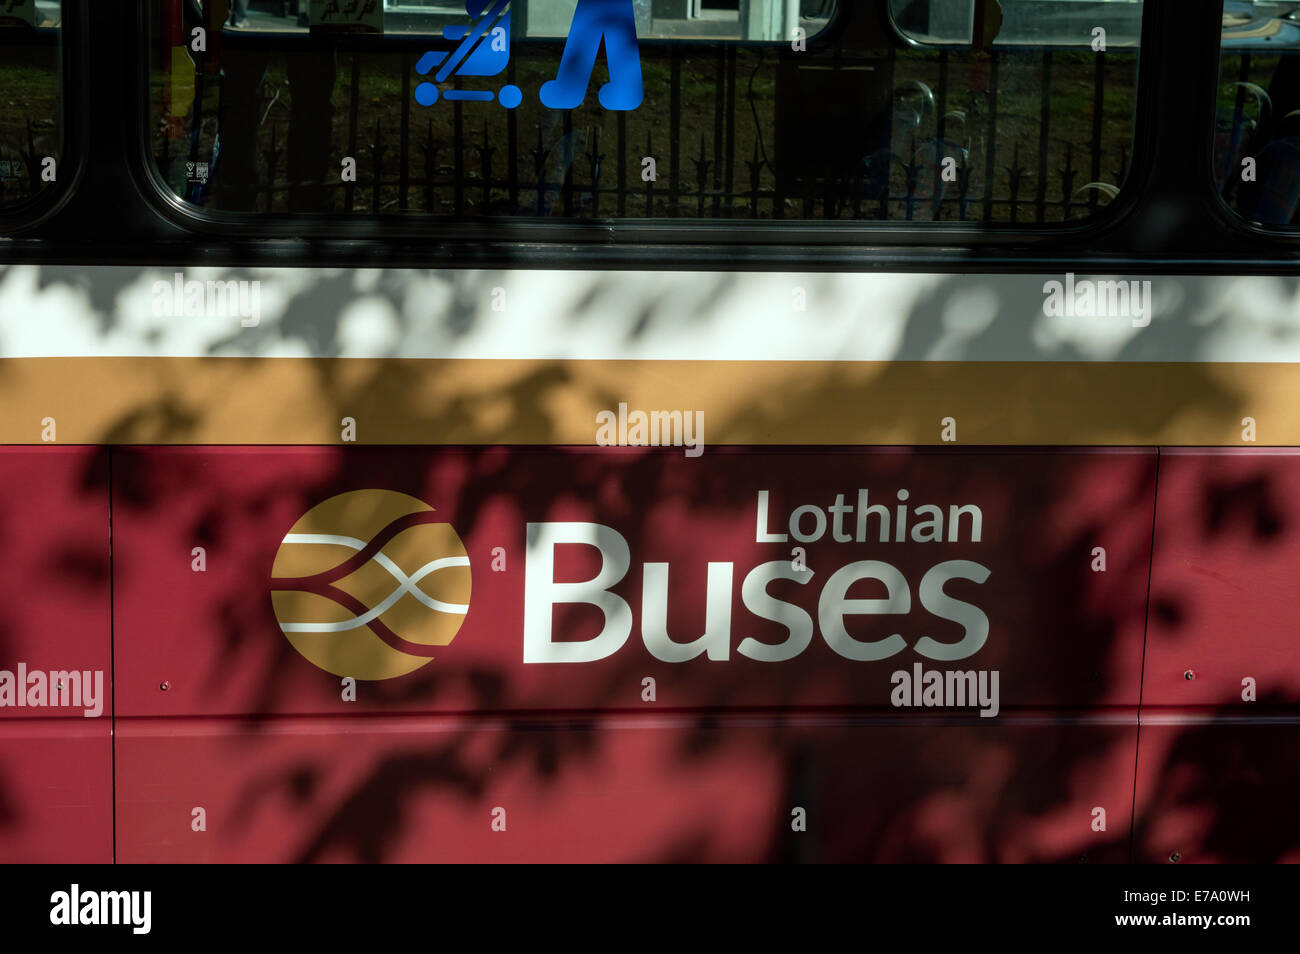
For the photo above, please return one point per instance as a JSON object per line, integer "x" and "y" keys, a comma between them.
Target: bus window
{"x": 1257, "y": 119}
{"x": 749, "y": 110}
{"x": 30, "y": 99}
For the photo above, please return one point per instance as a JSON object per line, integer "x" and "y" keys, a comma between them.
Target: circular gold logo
{"x": 370, "y": 583}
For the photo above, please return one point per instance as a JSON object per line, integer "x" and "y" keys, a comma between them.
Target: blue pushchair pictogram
{"x": 483, "y": 50}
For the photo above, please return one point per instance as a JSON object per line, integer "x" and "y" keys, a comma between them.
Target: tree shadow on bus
{"x": 717, "y": 769}
{"x": 961, "y": 793}
{"x": 1220, "y": 793}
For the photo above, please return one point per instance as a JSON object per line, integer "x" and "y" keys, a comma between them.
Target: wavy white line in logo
{"x": 406, "y": 584}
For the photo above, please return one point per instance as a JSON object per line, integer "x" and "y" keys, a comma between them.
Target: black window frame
{"x": 1167, "y": 220}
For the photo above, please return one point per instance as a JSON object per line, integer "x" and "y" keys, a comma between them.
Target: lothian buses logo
{"x": 371, "y": 584}
{"x": 342, "y": 594}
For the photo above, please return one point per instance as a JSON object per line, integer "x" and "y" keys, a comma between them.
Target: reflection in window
{"x": 854, "y": 124}
{"x": 30, "y": 100}
{"x": 1047, "y": 22}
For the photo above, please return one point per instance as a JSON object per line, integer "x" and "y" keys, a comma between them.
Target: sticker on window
{"x": 483, "y": 50}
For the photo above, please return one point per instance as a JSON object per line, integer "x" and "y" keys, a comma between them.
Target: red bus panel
{"x": 639, "y": 745}
{"x": 625, "y": 787}
{"x": 56, "y": 780}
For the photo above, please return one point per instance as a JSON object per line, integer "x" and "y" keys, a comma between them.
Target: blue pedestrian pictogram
{"x": 484, "y": 50}
{"x": 612, "y": 22}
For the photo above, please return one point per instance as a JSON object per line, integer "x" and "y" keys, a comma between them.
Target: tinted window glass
{"x": 734, "y": 109}
{"x": 1257, "y": 121}
{"x": 30, "y": 99}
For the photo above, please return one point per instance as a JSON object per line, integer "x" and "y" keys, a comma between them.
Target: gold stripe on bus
{"x": 174, "y": 400}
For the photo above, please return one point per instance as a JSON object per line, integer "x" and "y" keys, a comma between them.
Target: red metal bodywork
{"x": 56, "y": 777}
{"x": 734, "y": 759}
